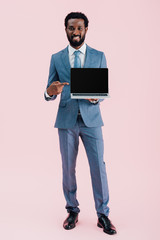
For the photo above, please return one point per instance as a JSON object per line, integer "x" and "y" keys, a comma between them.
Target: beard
{"x": 76, "y": 43}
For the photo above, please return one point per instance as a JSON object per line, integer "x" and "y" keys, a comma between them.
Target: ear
{"x": 86, "y": 29}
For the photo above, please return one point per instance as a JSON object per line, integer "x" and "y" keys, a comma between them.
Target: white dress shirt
{"x": 82, "y": 54}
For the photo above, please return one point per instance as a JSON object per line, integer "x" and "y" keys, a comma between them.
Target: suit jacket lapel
{"x": 65, "y": 59}
{"x": 89, "y": 58}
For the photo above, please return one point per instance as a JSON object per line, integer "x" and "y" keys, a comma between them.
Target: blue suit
{"x": 87, "y": 125}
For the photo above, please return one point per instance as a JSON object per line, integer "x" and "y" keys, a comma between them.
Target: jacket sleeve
{"x": 103, "y": 61}
{"x": 53, "y": 76}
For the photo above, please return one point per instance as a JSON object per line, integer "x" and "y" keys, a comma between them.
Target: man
{"x": 79, "y": 117}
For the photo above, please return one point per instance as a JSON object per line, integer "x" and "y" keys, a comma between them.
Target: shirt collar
{"x": 82, "y": 49}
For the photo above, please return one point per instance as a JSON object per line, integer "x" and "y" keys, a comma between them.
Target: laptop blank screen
{"x": 89, "y": 80}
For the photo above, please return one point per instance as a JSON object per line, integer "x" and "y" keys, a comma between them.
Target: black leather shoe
{"x": 105, "y": 223}
{"x": 70, "y": 221}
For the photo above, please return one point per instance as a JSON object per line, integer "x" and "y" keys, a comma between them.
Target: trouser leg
{"x": 93, "y": 142}
{"x": 69, "y": 141}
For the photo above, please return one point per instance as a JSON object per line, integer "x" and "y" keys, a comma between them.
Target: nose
{"x": 76, "y": 32}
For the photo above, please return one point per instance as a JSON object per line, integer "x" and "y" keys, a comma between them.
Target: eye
{"x": 71, "y": 28}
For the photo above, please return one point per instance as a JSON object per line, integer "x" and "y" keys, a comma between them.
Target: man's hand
{"x": 56, "y": 88}
{"x": 92, "y": 99}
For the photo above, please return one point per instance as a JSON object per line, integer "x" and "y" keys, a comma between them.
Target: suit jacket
{"x": 68, "y": 108}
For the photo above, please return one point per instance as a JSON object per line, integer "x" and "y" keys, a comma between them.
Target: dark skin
{"x": 75, "y": 31}
{"x": 76, "y": 28}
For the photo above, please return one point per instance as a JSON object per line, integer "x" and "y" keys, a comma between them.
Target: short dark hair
{"x": 76, "y": 15}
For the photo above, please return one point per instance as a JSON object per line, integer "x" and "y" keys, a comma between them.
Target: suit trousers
{"x": 93, "y": 142}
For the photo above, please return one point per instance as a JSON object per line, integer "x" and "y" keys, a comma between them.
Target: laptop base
{"x": 89, "y": 96}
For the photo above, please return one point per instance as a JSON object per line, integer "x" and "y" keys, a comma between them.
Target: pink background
{"x": 31, "y": 197}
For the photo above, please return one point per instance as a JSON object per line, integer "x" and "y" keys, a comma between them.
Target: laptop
{"x": 89, "y": 83}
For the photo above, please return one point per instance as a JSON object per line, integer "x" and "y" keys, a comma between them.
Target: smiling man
{"x": 79, "y": 118}
{"x": 76, "y": 37}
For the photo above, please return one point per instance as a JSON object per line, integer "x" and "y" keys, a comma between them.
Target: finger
{"x": 92, "y": 99}
{"x": 65, "y": 83}
{"x": 56, "y": 82}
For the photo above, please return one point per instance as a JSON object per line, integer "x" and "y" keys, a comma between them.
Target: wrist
{"x": 49, "y": 92}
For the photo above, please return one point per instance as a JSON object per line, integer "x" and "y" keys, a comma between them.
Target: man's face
{"x": 76, "y": 32}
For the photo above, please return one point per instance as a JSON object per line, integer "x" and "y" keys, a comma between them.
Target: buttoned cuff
{"x": 47, "y": 97}
{"x": 46, "y": 94}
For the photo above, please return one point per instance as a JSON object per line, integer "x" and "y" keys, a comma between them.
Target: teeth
{"x": 76, "y": 37}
